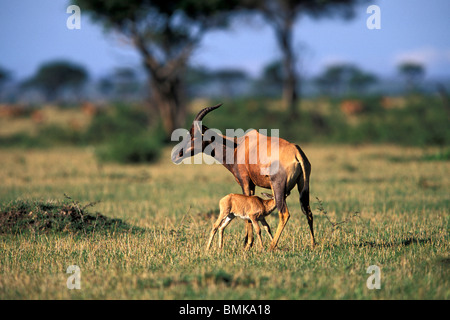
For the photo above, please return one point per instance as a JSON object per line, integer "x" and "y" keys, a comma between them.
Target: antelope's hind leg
{"x": 304, "y": 203}
{"x": 258, "y": 231}
{"x": 267, "y": 228}
{"x": 283, "y": 212}
{"x": 216, "y": 226}
{"x": 222, "y": 228}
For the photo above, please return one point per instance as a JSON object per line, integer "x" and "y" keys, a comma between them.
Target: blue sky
{"x": 34, "y": 31}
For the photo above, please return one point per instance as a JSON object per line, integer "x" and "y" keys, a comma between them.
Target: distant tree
{"x": 360, "y": 80}
{"x": 196, "y": 78}
{"x": 106, "y": 86}
{"x": 229, "y": 80}
{"x": 5, "y": 76}
{"x": 413, "y": 72}
{"x": 54, "y": 77}
{"x": 165, "y": 33}
{"x": 281, "y": 15}
{"x": 343, "y": 78}
{"x": 272, "y": 76}
{"x": 224, "y": 82}
{"x": 197, "y": 75}
{"x": 270, "y": 82}
{"x": 126, "y": 81}
{"x": 335, "y": 78}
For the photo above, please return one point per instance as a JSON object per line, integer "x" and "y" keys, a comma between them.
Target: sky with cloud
{"x": 33, "y": 32}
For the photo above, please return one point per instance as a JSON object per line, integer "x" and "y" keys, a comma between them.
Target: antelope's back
{"x": 265, "y": 157}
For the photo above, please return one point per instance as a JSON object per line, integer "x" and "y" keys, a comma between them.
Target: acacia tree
{"x": 55, "y": 76}
{"x": 343, "y": 78}
{"x": 281, "y": 15}
{"x": 5, "y": 76}
{"x": 126, "y": 82}
{"x": 413, "y": 72}
{"x": 272, "y": 76}
{"x": 165, "y": 33}
{"x": 361, "y": 80}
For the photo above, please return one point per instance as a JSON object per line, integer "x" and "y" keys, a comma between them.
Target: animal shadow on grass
{"x": 214, "y": 213}
{"x": 402, "y": 243}
{"x": 407, "y": 241}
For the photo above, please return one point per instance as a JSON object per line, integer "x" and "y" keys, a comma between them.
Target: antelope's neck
{"x": 223, "y": 149}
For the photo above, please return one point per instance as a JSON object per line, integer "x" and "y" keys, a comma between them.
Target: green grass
{"x": 395, "y": 215}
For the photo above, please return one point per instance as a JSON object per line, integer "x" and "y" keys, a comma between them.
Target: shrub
{"x": 20, "y": 139}
{"x": 116, "y": 121}
{"x": 52, "y": 135}
{"x": 130, "y": 148}
{"x": 123, "y": 136}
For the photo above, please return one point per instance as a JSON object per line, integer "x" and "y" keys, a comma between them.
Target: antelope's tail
{"x": 306, "y": 171}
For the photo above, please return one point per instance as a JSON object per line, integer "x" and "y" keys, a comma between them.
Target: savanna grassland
{"x": 379, "y": 205}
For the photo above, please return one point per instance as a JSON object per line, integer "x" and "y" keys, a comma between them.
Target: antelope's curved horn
{"x": 205, "y": 111}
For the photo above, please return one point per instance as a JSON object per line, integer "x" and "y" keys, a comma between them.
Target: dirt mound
{"x": 27, "y": 216}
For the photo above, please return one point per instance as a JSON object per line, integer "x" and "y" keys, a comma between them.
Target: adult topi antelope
{"x": 255, "y": 160}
